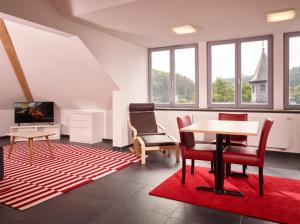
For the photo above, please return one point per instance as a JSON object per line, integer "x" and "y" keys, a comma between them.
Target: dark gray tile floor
{"x": 122, "y": 197}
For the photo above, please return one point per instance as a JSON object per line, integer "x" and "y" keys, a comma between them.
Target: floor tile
{"x": 205, "y": 215}
{"x": 123, "y": 197}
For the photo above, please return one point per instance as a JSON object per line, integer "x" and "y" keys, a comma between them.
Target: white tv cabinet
{"x": 55, "y": 128}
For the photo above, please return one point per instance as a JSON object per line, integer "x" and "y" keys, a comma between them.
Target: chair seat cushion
{"x": 241, "y": 155}
{"x": 157, "y": 140}
{"x": 200, "y": 152}
{"x": 158, "y": 133}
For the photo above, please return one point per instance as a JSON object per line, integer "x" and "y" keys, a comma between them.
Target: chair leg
{"x": 177, "y": 152}
{"x": 212, "y": 166}
{"x": 183, "y": 171}
{"x": 193, "y": 167}
{"x": 261, "y": 181}
{"x": 244, "y": 169}
{"x": 228, "y": 169}
{"x": 143, "y": 159}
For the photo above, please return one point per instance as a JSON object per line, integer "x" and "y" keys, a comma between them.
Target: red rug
{"x": 73, "y": 166}
{"x": 281, "y": 202}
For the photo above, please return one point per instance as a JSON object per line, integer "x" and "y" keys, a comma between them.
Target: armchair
{"x": 146, "y": 136}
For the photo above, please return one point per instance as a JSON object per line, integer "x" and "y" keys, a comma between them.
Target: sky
{"x": 184, "y": 61}
{"x": 294, "y": 57}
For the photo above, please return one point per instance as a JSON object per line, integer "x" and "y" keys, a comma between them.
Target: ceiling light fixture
{"x": 185, "y": 29}
{"x": 282, "y": 15}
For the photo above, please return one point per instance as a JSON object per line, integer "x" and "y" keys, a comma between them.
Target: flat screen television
{"x": 34, "y": 112}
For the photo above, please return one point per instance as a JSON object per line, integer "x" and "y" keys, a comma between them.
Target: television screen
{"x": 30, "y": 112}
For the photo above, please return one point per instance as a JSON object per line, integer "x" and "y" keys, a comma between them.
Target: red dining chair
{"x": 236, "y": 140}
{"x": 239, "y": 140}
{"x": 251, "y": 156}
{"x": 191, "y": 150}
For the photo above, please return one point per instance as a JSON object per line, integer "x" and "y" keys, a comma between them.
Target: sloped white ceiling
{"x": 61, "y": 69}
{"x": 10, "y": 90}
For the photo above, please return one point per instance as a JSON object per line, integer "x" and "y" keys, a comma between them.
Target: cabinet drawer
{"x": 75, "y": 124}
{"x": 86, "y": 124}
{"x": 75, "y": 117}
{"x": 86, "y": 117}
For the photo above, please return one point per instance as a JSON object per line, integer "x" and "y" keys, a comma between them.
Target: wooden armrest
{"x": 133, "y": 129}
{"x": 174, "y": 139}
{"x": 161, "y": 127}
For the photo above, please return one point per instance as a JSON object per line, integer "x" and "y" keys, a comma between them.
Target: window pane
{"x": 254, "y": 68}
{"x": 294, "y": 70}
{"x": 160, "y": 75}
{"x": 223, "y": 73}
{"x": 185, "y": 76}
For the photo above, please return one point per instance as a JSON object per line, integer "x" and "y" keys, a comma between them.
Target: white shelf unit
{"x": 54, "y": 128}
{"x": 86, "y": 127}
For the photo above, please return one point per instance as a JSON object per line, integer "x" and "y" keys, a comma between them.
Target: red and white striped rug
{"x": 73, "y": 166}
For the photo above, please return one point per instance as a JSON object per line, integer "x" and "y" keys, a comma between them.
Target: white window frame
{"x": 238, "y": 101}
{"x": 286, "y": 87}
{"x": 172, "y": 92}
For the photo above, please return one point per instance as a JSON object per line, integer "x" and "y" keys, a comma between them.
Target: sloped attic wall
{"x": 10, "y": 90}
{"x": 61, "y": 69}
{"x": 58, "y": 67}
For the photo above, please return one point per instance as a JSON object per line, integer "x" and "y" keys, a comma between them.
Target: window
{"x": 240, "y": 73}
{"x": 292, "y": 70}
{"x": 173, "y": 76}
{"x": 263, "y": 88}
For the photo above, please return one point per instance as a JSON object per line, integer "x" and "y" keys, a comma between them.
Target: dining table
{"x": 223, "y": 129}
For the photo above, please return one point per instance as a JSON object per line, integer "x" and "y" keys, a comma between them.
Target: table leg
{"x": 49, "y": 146}
{"x": 13, "y": 138}
{"x": 219, "y": 166}
{"x": 30, "y": 143}
{"x": 219, "y": 171}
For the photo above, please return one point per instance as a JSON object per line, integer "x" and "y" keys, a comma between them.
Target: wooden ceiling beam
{"x": 13, "y": 58}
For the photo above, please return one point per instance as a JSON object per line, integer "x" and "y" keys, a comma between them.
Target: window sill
{"x": 289, "y": 111}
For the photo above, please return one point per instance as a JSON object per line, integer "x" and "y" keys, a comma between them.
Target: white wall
{"x": 10, "y": 90}
{"x": 6, "y": 120}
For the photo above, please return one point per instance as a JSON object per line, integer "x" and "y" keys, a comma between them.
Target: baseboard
{"x": 107, "y": 140}
{"x": 4, "y": 137}
{"x": 123, "y": 148}
{"x": 270, "y": 152}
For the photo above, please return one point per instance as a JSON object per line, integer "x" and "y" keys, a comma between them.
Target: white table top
{"x": 223, "y": 127}
{"x": 30, "y": 134}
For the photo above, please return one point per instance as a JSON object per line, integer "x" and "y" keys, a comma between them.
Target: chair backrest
{"x": 268, "y": 123}
{"x": 235, "y": 117}
{"x": 142, "y": 117}
{"x": 186, "y": 138}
